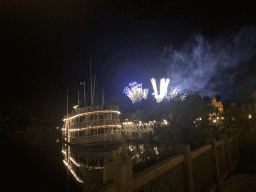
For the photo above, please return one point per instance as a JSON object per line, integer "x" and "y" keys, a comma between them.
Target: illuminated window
{"x": 249, "y": 116}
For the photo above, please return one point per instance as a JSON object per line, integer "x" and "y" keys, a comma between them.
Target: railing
{"x": 200, "y": 170}
{"x": 95, "y": 139}
{"x": 98, "y": 122}
{"x": 202, "y": 167}
{"x": 91, "y": 109}
{"x": 168, "y": 173}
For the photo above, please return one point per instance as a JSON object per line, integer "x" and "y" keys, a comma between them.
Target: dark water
{"x": 35, "y": 163}
{"x": 34, "y": 166}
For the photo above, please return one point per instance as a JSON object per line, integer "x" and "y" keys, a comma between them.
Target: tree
{"x": 186, "y": 119}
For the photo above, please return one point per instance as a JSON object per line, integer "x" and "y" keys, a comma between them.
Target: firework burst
{"x": 163, "y": 89}
{"x": 135, "y": 92}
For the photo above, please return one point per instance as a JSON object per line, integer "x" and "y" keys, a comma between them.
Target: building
{"x": 217, "y": 116}
{"x": 217, "y": 105}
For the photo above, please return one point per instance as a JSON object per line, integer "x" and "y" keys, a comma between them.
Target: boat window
{"x": 108, "y": 115}
{"x": 114, "y": 116}
{"x": 101, "y": 116}
{"x": 92, "y": 118}
{"x": 81, "y": 118}
{"x": 101, "y": 131}
{"x": 81, "y": 133}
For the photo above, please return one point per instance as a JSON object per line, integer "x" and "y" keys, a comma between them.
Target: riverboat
{"x": 92, "y": 124}
{"x": 89, "y": 125}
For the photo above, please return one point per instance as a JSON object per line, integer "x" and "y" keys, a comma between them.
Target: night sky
{"x": 47, "y": 45}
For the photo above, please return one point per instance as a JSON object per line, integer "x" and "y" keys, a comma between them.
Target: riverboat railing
{"x": 91, "y": 109}
{"x": 98, "y": 122}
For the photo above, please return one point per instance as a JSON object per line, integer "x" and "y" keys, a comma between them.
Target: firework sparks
{"x": 163, "y": 89}
{"x": 135, "y": 93}
{"x": 174, "y": 92}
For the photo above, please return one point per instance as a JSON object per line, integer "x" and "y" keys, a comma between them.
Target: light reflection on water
{"x": 65, "y": 166}
{"x": 81, "y": 160}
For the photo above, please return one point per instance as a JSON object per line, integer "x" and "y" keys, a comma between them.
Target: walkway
{"x": 244, "y": 175}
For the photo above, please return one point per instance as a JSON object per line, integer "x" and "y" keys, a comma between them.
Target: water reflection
{"x": 81, "y": 168}
{"x": 85, "y": 164}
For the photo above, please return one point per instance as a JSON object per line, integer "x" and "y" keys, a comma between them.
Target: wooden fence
{"x": 203, "y": 169}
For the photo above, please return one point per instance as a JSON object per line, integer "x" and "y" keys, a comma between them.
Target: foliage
{"x": 123, "y": 153}
{"x": 187, "y": 120}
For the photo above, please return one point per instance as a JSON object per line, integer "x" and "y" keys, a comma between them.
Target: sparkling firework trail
{"x": 163, "y": 89}
{"x": 135, "y": 93}
{"x": 174, "y": 92}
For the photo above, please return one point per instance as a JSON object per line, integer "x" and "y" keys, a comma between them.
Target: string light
{"x": 88, "y": 113}
{"x": 72, "y": 171}
{"x": 74, "y": 161}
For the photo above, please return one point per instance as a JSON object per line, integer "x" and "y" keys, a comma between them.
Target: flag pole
{"x": 84, "y": 95}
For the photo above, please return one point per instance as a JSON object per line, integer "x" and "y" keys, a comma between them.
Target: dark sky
{"x": 47, "y": 45}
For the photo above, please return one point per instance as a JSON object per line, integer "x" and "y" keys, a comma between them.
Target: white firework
{"x": 136, "y": 93}
{"x": 163, "y": 89}
{"x": 174, "y": 92}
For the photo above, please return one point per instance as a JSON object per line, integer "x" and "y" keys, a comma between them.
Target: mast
{"x": 67, "y": 102}
{"x": 91, "y": 79}
{"x": 102, "y": 99}
{"x": 78, "y": 98}
{"x": 67, "y": 116}
{"x": 84, "y": 95}
{"x": 93, "y": 88}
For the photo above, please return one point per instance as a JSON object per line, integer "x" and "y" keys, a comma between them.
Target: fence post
{"x": 237, "y": 147}
{"x": 227, "y": 150}
{"x": 121, "y": 173}
{"x": 211, "y": 140}
{"x": 187, "y": 166}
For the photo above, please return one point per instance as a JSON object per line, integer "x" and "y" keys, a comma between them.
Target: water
{"x": 34, "y": 166}
{"x": 36, "y": 162}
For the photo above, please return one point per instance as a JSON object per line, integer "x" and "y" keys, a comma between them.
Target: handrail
{"x": 220, "y": 142}
{"x": 95, "y": 123}
{"x": 148, "y": 174}
{"x": 200, "y": 150}
{"x": 231, "y": 139}
{"x": 92, "y": 109}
